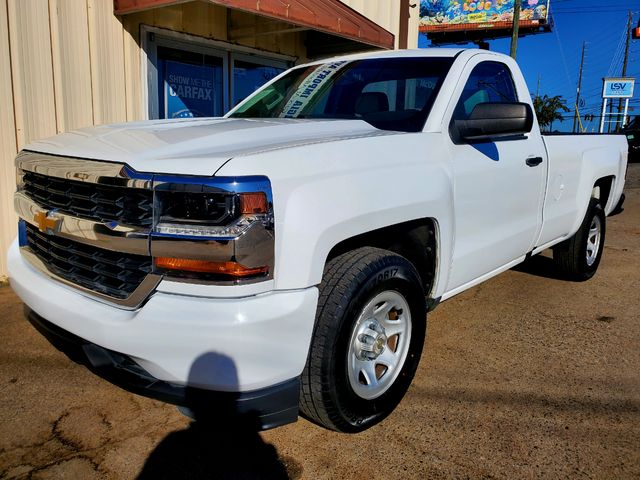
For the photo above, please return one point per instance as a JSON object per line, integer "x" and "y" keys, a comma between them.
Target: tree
{"x": 548, "y": 109}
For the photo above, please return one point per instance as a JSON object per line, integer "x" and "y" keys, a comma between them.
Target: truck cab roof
{"x": 418, "y": 52}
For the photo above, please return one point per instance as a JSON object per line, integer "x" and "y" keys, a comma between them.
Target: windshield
{"x": 388, "y": 93}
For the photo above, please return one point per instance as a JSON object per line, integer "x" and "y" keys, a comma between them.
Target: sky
{"x": 555, "y": 57}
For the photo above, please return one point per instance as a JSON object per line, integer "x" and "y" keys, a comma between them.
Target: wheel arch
{"x": 598, "y": 177}
{"x": 416, "y": 240}
{"x": 602, "y": 190}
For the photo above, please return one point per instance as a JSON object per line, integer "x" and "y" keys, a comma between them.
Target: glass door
{"x": 193, "y": 79}
{"x": 185, "y": 79}
{"x": 190, "y": 84}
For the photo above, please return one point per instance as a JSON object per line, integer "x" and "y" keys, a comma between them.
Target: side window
{"x": 489, "y": 82}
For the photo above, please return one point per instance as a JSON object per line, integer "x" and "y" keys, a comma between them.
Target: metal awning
{"x": 327, "y": 16}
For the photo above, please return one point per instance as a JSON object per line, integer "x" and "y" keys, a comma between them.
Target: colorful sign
{"x": 451, "y": 15}
{"x": 189, "y": 90}
{"x": 618, "y": 88}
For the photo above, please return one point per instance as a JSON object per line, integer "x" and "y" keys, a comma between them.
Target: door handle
{"x": 534, "y": 161}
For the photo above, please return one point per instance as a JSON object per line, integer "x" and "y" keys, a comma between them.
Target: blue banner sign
{"x": 189, "y": 90}
{"x": 618, "y": 88}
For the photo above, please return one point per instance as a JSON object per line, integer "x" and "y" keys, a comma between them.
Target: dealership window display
{"x": 197, "y": 79}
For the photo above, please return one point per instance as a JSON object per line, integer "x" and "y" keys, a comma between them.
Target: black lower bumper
{"x": 259, "y": 409}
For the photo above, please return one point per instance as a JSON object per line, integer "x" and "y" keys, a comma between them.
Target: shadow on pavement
{"x": 540, "y": 267}
{"x": 220, "y": 443}
{"x": 569, "y": 401}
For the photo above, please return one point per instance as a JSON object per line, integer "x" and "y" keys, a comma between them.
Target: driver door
{"x": 497, "y": 195}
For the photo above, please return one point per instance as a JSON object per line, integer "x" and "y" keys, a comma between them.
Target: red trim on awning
{"x": 329, "y": 16}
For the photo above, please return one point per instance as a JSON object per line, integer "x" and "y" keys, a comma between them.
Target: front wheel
{"x": 367, "y": 340}
{"x": 578, "y": 258}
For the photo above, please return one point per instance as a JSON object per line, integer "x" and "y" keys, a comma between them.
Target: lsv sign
{"x": 618, "y": 88}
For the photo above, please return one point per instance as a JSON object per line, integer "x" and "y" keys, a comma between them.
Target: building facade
{"x": 68, "y": 64}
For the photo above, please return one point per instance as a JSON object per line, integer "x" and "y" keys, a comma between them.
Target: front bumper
{"x": 260, "y": 409}
{"x": 221, "y": 344}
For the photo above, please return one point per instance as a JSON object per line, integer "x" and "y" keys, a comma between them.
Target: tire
{"x": 356, "y": 371}
{"x": 578, "y": 258}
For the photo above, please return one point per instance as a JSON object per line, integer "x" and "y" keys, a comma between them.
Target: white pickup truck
{"x": 284, "y": 257}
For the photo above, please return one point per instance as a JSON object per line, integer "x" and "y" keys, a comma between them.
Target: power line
{"x": 612, "y": 8}
{"x": 564, "y": 60}
{"x": 617, "y": 56}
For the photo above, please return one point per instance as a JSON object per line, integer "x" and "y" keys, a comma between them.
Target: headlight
{"x": 214, "y": 228}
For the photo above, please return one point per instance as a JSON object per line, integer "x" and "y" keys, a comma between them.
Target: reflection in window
{"x": 248, "y": 77}
{"x": 489, "y": 82}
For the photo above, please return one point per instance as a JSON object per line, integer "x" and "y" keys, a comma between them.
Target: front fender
{"x": 324, "y": 194}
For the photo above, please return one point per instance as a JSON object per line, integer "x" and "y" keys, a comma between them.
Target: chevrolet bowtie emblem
{"x": 47, "y": 223}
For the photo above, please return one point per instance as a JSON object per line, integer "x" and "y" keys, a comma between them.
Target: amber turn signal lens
{"x": 252, "y": 203}
{"x": 232, "y": 269}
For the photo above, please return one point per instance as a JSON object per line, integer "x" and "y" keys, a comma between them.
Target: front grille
{"x": 111, "y": 273}
{"x": 103, "y": 203}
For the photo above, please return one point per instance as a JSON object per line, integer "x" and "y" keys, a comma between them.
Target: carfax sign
{"x": 618, "y": 88}
{"x": 189, "y": 91}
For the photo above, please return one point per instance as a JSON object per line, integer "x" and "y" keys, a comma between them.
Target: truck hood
{"x": 196, "y": 146}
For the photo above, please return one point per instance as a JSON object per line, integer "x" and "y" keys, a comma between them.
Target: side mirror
{"x": 494, "y": 120}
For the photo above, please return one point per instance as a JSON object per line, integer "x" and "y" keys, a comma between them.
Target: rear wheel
{"x": 367, "y": 340}
{"x": 578, "y": 258}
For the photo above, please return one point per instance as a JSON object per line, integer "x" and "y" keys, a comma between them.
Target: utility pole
{"x": 517, "y": 5}
{"x": 538, "y": 89}
{"x": 625, "y": 62}
{"x": 403, "y": 30}
{"x": 576, "y": 113}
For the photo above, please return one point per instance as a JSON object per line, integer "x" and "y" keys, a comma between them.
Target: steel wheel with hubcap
{"x": 379, "y": 344}
{"x": 593, "y": 240}
{"x": 367, "y": 340}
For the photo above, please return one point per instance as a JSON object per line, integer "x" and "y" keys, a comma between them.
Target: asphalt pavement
{"x": 524, "y": 376}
